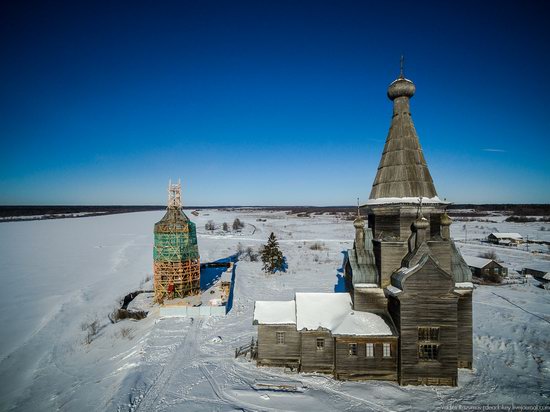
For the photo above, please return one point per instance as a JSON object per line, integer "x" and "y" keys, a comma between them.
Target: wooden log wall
{"x": 388, "y": 257}
{"x": 369, "y": 299}
{"x": 362, "y": 367}
{"x": 465, "y": 330}
{"x": 427, "y": 301}
{"x": 314, "y": 360}
{"x": 272, "y": 353}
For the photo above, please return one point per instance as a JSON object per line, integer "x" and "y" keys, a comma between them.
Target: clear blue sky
{"x": 268, "y": 102}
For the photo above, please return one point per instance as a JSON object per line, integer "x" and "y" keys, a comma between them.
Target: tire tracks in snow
{"x": 228, "y": 399}
{"x": 318, "y": 386}
{"x": 185, "y": 353}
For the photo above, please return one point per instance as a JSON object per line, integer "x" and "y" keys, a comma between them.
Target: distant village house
{"x": 486, "y": 268}
{"x": 508, "y": 239}
{"x": 539, "y": 271}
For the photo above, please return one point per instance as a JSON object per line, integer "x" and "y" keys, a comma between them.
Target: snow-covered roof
{"x": 500, "y": 235}
{"x": 321, "y": 310}
{"x": 464, "y": 285}
{"x": 400, "y": 200}
{"x": 539, "y": 266}
{"x": 402, "y": 273}
{"x": 476, "y": 262}
{"x": 333, "y": 311}
{"x": 393, "y": 290}
{"x": 357, "y": 323}
{"x": 275, "y": 312}
{"x": 365, "y": 285}
{"x": 226, "y": 276}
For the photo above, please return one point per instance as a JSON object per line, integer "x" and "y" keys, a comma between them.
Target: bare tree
{"x": 489, "y": 254}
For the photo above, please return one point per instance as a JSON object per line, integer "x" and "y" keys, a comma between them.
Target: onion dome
{"x": 446, "y": 220}
{"x": 421, "y": 223}
{"x": 401, "y": 87}
{"x": 359, "y": 223}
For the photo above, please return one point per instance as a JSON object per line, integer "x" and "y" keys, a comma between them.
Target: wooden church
{"x": 407, "y": 315}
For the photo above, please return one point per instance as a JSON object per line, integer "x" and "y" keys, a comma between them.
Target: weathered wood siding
{"x": 481, "y": 272}
{"x": 427, "y": 301}
{"x": 272, "y": 353}
{"x": 314, "y": 360}
{"x": 406, "y": 222}
{"x": 388, "y": 257}
{"x": 369, "y": 299}
{"x": 465, "y": 332}
{"x": 362, "y": 367}
{"x": 441, "y": 250}
{"x": 386, "y": 226}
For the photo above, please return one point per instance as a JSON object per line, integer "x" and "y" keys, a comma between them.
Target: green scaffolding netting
{"x": 176, "y": 246}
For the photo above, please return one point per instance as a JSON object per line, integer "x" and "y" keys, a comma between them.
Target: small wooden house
{"x": 320, "y": 332}
{"x": 485, "y": 268}
{"x": 279, "y": 343}
{"x": 540, "y": 271}
{"x": 508, "y": 239}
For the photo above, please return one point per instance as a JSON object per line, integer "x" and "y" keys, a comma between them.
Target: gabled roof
{"x": 477, "y": 262}
{"x": 500, "y": 235}
{"x": 275, "y": 312}
{"x": 329, "y": 311}
{"x": 363, "y": 324}
{"x": 333, "y": 312}
{"x": 399, "y": 278}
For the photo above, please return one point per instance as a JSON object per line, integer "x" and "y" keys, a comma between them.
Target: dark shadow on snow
{"x": 340, "y": 286}
{"x": 283, "y": 267}
{"x": 211, "y": 272}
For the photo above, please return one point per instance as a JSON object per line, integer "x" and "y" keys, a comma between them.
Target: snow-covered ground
{"x": 58, "y": 275}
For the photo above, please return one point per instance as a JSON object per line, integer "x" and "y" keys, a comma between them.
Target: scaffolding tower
{"x": 176, "y": 257}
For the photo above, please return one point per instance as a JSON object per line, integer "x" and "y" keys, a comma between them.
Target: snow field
{"x": 59, "y": 274}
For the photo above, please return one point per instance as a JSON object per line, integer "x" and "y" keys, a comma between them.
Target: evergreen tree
{"x": 272, "y": 257}
{"x": 237, "y": 224}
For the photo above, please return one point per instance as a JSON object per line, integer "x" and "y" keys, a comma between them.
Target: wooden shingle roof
{"x": 403, "y": 171}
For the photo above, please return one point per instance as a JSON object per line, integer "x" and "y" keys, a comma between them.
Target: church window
{"x": 428, "y": 352}
{"x": 427, "y": 334}
{"x": 428, "y": 343}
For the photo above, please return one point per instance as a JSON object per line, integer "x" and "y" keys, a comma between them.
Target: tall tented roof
{"x": 402, "y": 172}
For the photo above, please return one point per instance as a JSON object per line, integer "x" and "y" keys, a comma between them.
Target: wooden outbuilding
{"x": 540, "y": 271}
{"x": 485, "y": 268}
{"x": 507, "y": 239}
